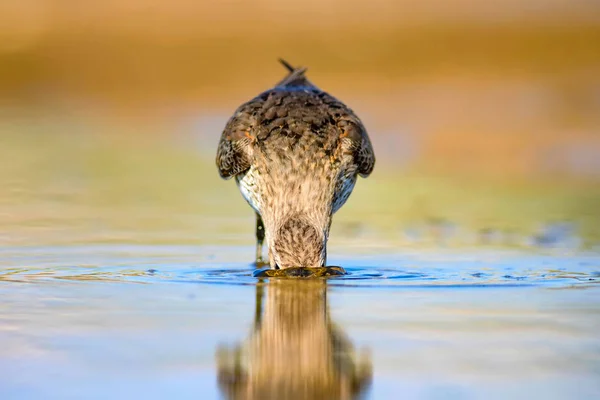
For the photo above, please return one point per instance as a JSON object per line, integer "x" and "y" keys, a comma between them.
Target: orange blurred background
{"x": 505, "y": 88}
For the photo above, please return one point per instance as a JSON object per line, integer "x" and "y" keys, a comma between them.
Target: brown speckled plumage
{"x": 295, "y": 152}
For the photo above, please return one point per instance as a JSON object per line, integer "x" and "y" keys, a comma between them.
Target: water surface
{"x": 125, "y": 272}
{"x": 166, "y": 321}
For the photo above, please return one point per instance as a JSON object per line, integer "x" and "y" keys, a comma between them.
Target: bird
{"x": 295, "y": 153}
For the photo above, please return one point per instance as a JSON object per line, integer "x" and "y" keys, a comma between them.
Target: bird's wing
{"x": 364, "y": 157}
{"x": 234, "y": 151}
{"x": 353, "y": 134}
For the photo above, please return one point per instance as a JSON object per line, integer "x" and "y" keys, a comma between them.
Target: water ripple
{"x": 172, "y": 264}
{"x": 356, "y": 276}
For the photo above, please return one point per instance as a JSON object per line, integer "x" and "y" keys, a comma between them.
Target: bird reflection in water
{"x": 294, "y": 350}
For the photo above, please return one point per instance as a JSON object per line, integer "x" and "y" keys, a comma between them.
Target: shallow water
{"x": 125, "y": 273}
{"x": 102, "y": 321}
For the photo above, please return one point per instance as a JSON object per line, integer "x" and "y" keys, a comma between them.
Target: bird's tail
{"x": 296, "y": 76}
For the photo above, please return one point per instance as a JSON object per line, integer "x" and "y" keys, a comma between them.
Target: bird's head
{"x": 298, "y": 242}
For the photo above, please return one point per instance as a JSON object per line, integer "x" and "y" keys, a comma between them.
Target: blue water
{"x": 148, "y": 321}
{"x": 229, "y": 266}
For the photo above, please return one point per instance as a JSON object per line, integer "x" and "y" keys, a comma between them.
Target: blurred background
{"x": 485, "y": 117}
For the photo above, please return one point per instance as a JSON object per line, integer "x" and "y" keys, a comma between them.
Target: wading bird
{"x": 295, "y": 153}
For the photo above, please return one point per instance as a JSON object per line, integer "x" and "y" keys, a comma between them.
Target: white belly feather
{"x": 247, "y": 185}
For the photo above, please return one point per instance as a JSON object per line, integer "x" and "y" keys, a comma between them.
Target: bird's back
{"x": 293, "y": 117}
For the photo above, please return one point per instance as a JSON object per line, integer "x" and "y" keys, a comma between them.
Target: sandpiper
{"x": 295, "y": 152}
